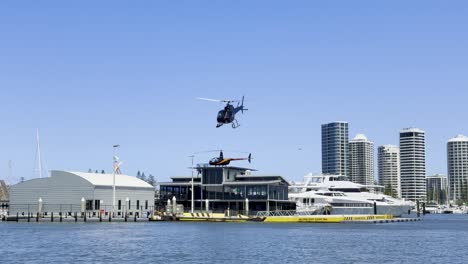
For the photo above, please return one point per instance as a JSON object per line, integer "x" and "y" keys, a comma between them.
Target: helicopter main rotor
{"x": 216, "y": 100}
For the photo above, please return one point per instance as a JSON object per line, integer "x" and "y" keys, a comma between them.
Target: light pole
{"x": 115, "y": 167}
{"x": 193, "y": 190}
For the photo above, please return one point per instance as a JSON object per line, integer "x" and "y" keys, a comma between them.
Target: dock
{"x": 71, "y": 218}
{"x": 275, "y": 217}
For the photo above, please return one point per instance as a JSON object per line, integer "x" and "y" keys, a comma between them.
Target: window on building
{"x": 146, "y": 205}
{"x": 97, "y": 204}
{"x": 89, "y": 205}
{"x": 119, "y": 206}
{"x": 129, "y": 205}
{"x": 138, "y": 205}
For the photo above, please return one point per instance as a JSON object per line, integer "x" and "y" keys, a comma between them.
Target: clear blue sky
{"x": 90, "y": 74}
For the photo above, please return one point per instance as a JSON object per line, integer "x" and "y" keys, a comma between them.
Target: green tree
{"x": 138, "y": 175}
{"x": 143, "y": 177}
{"x": 151, "y": 180}
{"x": 90, "y": 170}
{"x": 388, "y": 190}
{"x": 103, "y": 172}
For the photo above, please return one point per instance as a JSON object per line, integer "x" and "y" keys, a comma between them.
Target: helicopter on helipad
{"x": 228, "y": 114}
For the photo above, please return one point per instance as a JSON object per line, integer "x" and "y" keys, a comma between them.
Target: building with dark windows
{"x": 227, "y": 188}
{"x": 413, "y": 164}
{"x": 335, "y": 137}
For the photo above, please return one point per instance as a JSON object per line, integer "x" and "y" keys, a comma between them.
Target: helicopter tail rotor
{"x": 242, "y": 106}
{"x": 250, "y": 158}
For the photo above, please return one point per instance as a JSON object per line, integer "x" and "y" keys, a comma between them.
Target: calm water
{"x": 438, "y": 239}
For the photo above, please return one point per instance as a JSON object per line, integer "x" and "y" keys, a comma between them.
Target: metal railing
{"x": 71, "y": 209}
{"x": 285, "y": 213}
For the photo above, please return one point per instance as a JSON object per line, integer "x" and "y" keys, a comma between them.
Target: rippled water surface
{"x": 438, "y": 239}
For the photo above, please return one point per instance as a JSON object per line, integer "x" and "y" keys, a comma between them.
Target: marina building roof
{"x": 98, "y": 179}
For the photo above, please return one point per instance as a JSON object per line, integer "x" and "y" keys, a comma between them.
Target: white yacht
{"x": 331, "y": 194}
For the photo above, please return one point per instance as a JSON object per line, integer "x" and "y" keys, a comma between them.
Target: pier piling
{"x": 418, "y": 209}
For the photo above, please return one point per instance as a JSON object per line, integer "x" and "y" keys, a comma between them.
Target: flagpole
{"x": 114, "y": 168}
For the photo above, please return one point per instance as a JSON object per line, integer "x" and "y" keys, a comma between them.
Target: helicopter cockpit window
{"x": 214, "y": 160}
{"x": 221, "y": 114}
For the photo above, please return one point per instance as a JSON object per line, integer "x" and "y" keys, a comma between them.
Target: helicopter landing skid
{"x": 235, "y": 124}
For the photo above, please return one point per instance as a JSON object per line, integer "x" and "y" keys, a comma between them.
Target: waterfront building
{"x": 457, "y": 165}
{"x": 70, "y": 192}
{"x": 335, "y": 138}
{"x": 389, "y": 169}
{"x": 4, "y": 197}
{"x": 437, "y": 188}
{"x": 226, "y": 189}
{"x": 361, "y": 160}
{"x": 413, "y": 164}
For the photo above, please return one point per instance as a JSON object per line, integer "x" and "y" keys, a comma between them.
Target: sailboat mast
{"x": 39, "y": 159}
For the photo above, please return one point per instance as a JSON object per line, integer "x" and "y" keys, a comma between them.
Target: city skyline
{"x": 98, "y": 74}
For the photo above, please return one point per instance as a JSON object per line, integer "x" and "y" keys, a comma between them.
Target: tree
{"x": 103, "y": 172}
{"x": 388, "y": 190}
{"x": 151, "y": 180}
{"x": 96, "y": 171}
{"x": 90, "y": 170}
{"x": 143, "y": 177}
{"x": 138, "y": 175}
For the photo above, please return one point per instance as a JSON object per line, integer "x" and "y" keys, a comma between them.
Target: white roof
{"x": 459, "y": 138}
{"x": 99, "y": 179}
{"x": 360, "y": 138}
{"x": 389, "y": 147}
{"x": 436, "y": 176}
{"x": 412, "y": 129}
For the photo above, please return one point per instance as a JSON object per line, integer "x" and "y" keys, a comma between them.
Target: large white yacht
{"x": 331, "y": 194}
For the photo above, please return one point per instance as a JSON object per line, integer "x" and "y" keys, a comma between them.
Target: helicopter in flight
{"x": 228, "y": 114}
{"x": 221, "y": 161}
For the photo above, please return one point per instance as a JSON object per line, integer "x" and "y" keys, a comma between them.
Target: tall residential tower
{"x": 389, "y": 169}
{"x": 361, "y": 160}
{"x": 413, "y": 164}
{"x": 457, "y": 164}
{"x": 335, "y": 148}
